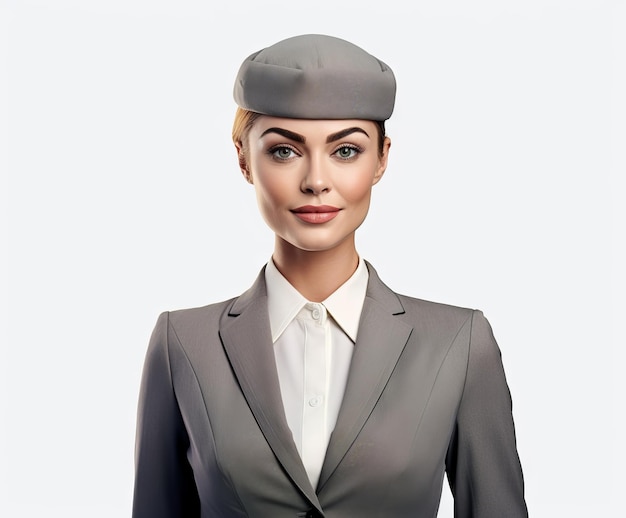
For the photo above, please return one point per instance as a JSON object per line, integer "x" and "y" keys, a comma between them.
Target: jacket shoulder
{"x": 191, "y": 325}
{"x": 416, "y": 307}
{"x": 201, "y": 313}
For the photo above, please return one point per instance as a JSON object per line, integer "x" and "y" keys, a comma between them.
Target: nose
{"x": 315, "y": 179}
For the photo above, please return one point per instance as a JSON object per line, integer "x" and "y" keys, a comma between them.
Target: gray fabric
{"x": 315, "y": 76}
{"x": 426, "y": 394}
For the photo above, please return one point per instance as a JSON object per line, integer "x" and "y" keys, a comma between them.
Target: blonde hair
{"x": 244, "y": 120}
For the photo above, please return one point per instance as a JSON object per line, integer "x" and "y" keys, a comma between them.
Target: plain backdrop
{"x": 122, "y": 198}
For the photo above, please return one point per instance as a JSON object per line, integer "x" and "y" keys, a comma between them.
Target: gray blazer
{"x": 426, "y": 394}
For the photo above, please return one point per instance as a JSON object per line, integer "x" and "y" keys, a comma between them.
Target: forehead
{"x": 311, "y": 128}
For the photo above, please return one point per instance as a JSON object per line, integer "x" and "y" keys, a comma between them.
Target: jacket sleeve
{"x": 482, "y": 463}
{"x": 164, "y": 482}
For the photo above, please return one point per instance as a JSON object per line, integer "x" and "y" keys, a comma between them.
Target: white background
{"x": 122, "y": 198}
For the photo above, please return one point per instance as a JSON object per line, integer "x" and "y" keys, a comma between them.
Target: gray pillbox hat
{"x": 314, "y": 76}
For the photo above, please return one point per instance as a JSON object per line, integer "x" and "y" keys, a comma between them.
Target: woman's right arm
{"x": 164, "y": 482}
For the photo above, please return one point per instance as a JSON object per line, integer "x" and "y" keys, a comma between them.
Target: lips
{"x": 316, "y": 213}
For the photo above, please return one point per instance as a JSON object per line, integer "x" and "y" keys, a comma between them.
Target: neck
{"x": 316, "y": 275}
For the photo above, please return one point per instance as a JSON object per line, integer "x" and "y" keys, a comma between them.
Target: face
{"x": 313, "y": 178}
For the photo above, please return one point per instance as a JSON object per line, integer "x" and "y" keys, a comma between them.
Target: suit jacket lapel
{"x": 245, "y": 333}
{"x": 380, "y": 341}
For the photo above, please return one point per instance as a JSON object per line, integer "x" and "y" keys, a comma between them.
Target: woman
{"x": 319, "y": 391}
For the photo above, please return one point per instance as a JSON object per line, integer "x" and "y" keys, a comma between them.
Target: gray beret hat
{"x": 314, "y": 76}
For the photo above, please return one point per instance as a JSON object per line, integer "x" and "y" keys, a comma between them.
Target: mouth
{"x": 316, "y": 213}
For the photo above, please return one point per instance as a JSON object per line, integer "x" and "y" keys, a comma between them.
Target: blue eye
{"x": 282, "y": 153}
{"x": 347, "y": 152}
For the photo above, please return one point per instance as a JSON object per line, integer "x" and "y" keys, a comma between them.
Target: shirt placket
{"x": 315, "y": 383}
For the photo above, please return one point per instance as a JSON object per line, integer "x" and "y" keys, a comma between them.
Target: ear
{"x": 243, "y": 162}
{"x": 382, "y": 161}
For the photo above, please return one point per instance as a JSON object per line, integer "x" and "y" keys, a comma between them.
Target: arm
{"x": 483, "y": 467}
{"x": 164, "y": 483}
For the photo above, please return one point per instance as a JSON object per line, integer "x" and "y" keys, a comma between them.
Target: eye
{"x": 347, "y": 152}
{"x": 282, "y": 153}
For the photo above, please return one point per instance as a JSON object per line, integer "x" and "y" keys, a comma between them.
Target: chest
{"x": 399, "y": 439}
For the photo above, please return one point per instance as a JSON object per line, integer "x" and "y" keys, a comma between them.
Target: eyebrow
{"x": 344, "y": 133}
{"x": 285, "y": 133}
{"x": 296, "y": 137}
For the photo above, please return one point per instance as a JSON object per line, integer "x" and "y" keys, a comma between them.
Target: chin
{"x": 315, "y": 248}
{"x": 317, "y": 244}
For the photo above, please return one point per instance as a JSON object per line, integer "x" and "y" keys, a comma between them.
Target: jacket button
{"x": 312, "y": 514}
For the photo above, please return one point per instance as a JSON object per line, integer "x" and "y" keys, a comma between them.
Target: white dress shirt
{"x": 313, "y": 345}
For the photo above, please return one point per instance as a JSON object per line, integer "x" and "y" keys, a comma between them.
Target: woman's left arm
{"x": 483, "y": 466}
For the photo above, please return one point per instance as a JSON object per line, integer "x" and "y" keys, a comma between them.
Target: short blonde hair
{"x": 244, "y": 120}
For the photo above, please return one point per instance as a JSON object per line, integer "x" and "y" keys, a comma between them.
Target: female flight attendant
{"x": 319, "y": 392}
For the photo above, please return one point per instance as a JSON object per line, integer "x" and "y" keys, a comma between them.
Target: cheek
{"x": 271, "y": 188}
{"x": 357, "y": 188}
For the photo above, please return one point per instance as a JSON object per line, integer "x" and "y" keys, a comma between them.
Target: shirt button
{"x": 316, "y": 314}
{"x": 315, "y": 401}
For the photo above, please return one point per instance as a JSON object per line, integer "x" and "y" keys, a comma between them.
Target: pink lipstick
{"x": 316, "y": 213}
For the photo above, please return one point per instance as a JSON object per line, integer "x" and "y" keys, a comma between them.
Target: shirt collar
{"x": 284, "y": 302}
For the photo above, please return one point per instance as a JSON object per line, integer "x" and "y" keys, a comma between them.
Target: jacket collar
{"x": 245, "y": 333}
{"x": 381, "y": 339}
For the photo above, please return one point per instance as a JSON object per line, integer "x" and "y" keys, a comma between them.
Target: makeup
{"x": 316, "y": 213}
